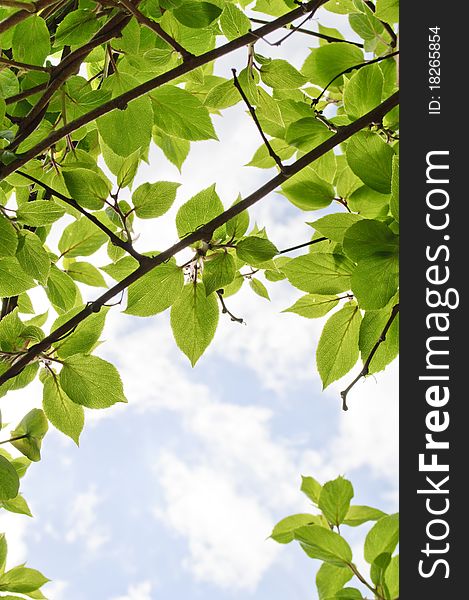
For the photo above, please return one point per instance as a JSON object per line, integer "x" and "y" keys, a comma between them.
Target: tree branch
{"x": 225, "y": 311}
{"x": 121, "y": 101}
{"x": 366, "y": 365}
{"x": 386, "y": 26}
{"x": 202, "y": 233}
{"x": 24, "y": 13}
{"x": 125, "y": 245}
{"x": 65, "y": 69}
{"x": 156, "y": 28}
{"x": 350, "y": 69}
{"x": 19, "y": 65}
{"x": 310, "y": 243}
{"x": 322, "y": 36}
{"x": 252, "y": 110}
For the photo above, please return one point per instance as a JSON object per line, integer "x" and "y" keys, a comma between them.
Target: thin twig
{"x": 386, "y": 26}
{"x": 366, "y": 365}
{"x": 201, "y": 233}
{"x": 225, "y": 311}
{"x": 350, "y": 69}
{"x": 125, "y": 245}
{"x": 322, "y": 36}
{"x": 156, "y": 28}
{"x": 23, "y": 14}
{"x": 121, "y": 102}
{"x": 252, "y": 110}
{"x": 14, "y": 439}
{"x": 310, "y": 243}
{"x": 25, "y": 66}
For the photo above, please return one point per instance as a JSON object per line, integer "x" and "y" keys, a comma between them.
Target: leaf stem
{"x": 366, "y": 366}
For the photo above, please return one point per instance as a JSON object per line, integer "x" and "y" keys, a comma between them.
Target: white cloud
{"x": 139, "y": 591}
{"x": 15, "y": 529}
{"x": 83, "y": 524}
{"x": 56, "y": 590}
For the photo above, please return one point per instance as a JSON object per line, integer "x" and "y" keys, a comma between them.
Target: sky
{"x": 174, "y": 495}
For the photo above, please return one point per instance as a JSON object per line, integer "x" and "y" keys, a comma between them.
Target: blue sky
{"x": 173, "y": 495}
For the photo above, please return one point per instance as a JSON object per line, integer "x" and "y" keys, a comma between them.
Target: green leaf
{"x": 324, "y": 544}
{"x": 67, "y": 416}
{"x": 22, "y": 580}
{"x": 370, "y": 158}
{"x": 195, "y": 14}
{"x": 371, "y": 330}
{"x": 175, "y": 149}
{"x": 259, "y": 288}
{"x": 311, "y": 488}
{"x": 391, "y": 577}
{"x": 128, "y": 169}
{"x": 91, "y": 381}
{"x": 219, "y": 271}
{"x": 200, "y": 209}
{"x": 341, "y": 7}
{"x": 234, "y": 23}
{"x": 325, "y": 62}
{"x": 84, "y": 337}
{"x": 3, "y": 552}
{"x": 194, "y": 319}
{"x": 76, "y": 28}
{"x": 382, "y": 537}
{"x": 156, "y": 291}
{"x": 31, "y": 42}
{"x": 17, "y": 505}
{"x": 369, "y": 203}
{"x": 126, "y": 131}
{"x": 237, "y": 226}
{"x": 81, "y": 238}
{"x": 8, "y": 238}
{"x": 121, "y": 268}
{"x": 367, "y": 238}
{"x": 280, "y": 74}
{"x": 181, "y": 114}
{"x": 357, "y": 515}
{"x": 320, "y": 273}
{"x": 34, "y": 427}
{"x": 363, "y": 92}
{"x": 330, "y": 579}
{"x": 334, "y": 226}
{"x": 61, "y": 290}
{"x": 87, "y": 187}
{"x": 152, "y": 200}
{"x": 309, "y": 194}
{"x": 337, "y": 350}
{"x": 32, "y": 256}
{"x": 40, "y": 212}
{"x": 383, "y": 271}
{"x": 86, "y": 273}
{"x": 313, "y": 306}
{"x": 262, "y": 158}
{"x": 283, "y": 532}
{"x": 307, "y": 133}
{"x": 387, "y": 10}
{"x": 394, "y": 204}
{"x": 348, "y": 594}
{"x": 9, "y": 481}
{"x": 334, "y": 500}
{"x": 255, "y": 250}
{"x": 13, "y": 280}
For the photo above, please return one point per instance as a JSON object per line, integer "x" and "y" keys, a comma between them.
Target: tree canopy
{"x": 87, "y": 90}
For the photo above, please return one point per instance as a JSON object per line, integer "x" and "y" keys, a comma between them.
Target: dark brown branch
{"x": 120, "y": 102}
{"x": 156, "y": 28}
{"x": 8, "y": 306}
{"x": 252, "y": 110}
{"x": 26, "y": 93}
{"x": 386, "y": 26}
{"x": 125, "y": 245}
{"x": 322, "y": 36}
{"x": 366, "y": 365}
{"x": 25, "y": 66}
{"x": 310, "y": 243}
{"x": 23, "y": 14}
{"x": 225, "y": 311}
{"x": 355, "y": 67}
{"x": 69, "y": 66}
{"x": 202, "y": 233}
